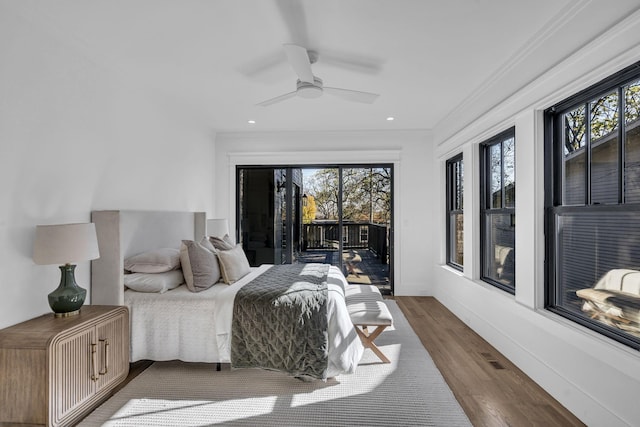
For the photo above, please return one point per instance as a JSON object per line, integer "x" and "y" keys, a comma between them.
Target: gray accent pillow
{"x": 153, "y": 261}
{"x": 199, "y": 266}
{"x": 207, "y": 244}
{"x": 233, "y": 264}
{"x": 222, "y": 244}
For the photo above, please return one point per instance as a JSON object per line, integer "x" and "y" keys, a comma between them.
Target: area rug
{"x": 410, "y": 391}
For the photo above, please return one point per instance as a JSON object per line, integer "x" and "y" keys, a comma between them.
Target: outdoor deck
{"x": 360, "y": 266}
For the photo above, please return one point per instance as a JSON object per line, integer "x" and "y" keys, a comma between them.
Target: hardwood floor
{"x": 491, "y": 389}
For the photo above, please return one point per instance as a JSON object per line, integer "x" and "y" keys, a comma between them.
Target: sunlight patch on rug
{"x": 152, "y": 412}
{"x": 372, "y": 375}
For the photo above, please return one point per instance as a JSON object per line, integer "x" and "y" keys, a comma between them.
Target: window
{"x": 497, "y": 209}
{"x": 455, "y": 222}
{"x": 593, "y": 207}
{"x": 364, "y": 233}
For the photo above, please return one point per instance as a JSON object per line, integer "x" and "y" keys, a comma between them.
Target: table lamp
{"x": 218, "y": 227}
{"x": 65, "y": 244}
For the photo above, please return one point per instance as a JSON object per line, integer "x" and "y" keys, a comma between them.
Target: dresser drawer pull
{"x": 105, "y": 357}
{"x": 94, "y": 364}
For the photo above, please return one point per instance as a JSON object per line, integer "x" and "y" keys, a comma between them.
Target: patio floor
{"x": 360, "y": 266}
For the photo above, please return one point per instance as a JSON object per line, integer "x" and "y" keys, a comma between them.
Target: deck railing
{"x": 324, "y": 235}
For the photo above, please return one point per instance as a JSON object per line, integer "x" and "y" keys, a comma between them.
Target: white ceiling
{"x": 426, "y": 58}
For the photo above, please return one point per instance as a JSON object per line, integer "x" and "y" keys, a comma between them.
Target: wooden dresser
{"x": 54, "y": 371}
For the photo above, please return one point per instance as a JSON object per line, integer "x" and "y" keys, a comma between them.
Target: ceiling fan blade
{"x": 268, "y": 68}
{"x": 277, "y": 99}
{"x": 351, "y": 61}
{"x": 352, "y": 95}
{"x": 295, "y": 19}
{"x": 299, "y": 60}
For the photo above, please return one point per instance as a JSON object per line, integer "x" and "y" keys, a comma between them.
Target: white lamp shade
{"x": 218, "y": 227}
{"x": 65, "y": 243}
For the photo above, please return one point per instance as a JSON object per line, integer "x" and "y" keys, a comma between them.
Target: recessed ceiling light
{"x": 390, "y": 119}
{"x": 251, "y": 122}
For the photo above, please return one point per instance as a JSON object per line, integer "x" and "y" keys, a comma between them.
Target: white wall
{"x": 76, "y": 136}
{"x": 595, "y": 378}
{"x": 411, "y": 153}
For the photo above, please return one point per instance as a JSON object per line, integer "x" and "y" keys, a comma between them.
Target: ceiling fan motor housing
{"x": 309, "y": 90}
{"x": 309, "y": 86}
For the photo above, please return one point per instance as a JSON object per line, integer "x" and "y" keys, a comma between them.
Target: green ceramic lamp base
{"x": 68, "y": 297}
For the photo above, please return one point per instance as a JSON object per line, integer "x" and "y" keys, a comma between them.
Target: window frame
{"x": 455, "y": 163}
{"x": 554, "y": 182}
{"x": 486, "y": 209}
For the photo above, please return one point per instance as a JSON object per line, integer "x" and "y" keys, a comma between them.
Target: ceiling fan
{"x": 309, "y": 86}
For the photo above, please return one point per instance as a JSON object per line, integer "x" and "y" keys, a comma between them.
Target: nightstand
{"x": 54, "y": 371}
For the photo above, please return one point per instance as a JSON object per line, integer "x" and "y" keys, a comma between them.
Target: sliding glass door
{"x": 340, "y": 215}
{"x": 321, "y": 230}
{"x": 366, "y": 225}
{"x": 267, "y": 215}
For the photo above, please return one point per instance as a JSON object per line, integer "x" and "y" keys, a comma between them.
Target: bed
{"x": 194, "y": 326}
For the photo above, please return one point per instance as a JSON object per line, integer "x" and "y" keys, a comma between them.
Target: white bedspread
{"x": 196, "y": 327}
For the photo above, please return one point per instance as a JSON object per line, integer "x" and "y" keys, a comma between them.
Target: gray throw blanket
{"x": 280, "y": 321}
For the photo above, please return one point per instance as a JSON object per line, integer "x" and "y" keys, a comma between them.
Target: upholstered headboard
{"x": 122, "y": 234}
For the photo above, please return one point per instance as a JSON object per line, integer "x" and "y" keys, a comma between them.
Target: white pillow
{"x": 153, "y": 261}
{"x": 154, "y": 282}
{"x": 199, "y": 265}
{"x": 233, "y": 264}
